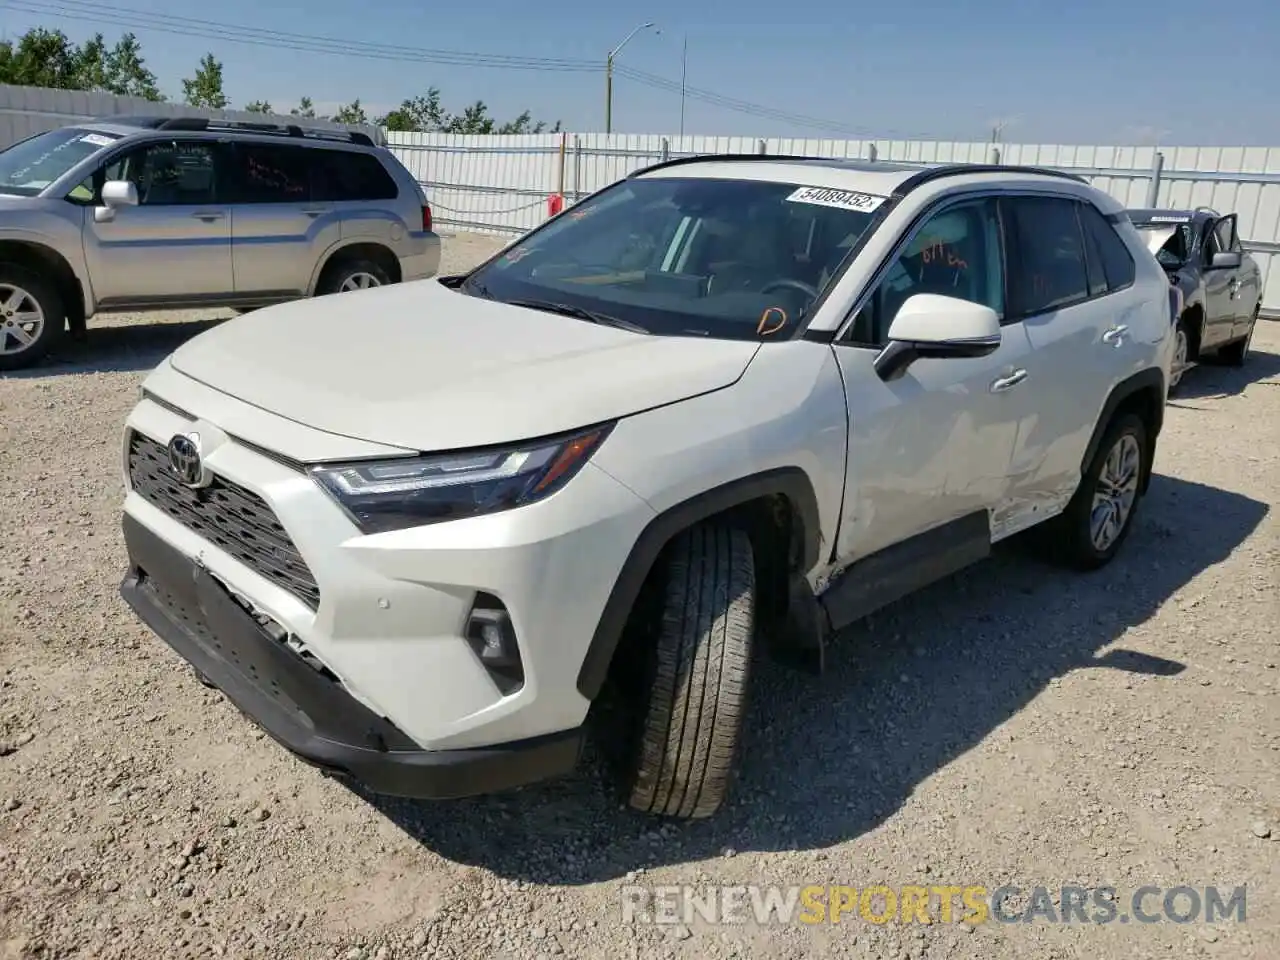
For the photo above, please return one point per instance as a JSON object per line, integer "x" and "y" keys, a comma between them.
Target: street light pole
{"x": 608, "y": 76}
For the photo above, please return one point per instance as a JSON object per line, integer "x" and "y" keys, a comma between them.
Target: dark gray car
{"x": 1221, "y": 285}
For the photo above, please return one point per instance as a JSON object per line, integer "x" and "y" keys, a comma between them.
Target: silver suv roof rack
{"x": 271, "y": 129}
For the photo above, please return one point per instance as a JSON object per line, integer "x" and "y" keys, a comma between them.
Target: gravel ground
{"x": 1016, "y": 724}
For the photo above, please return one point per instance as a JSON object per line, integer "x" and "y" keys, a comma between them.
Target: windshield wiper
{"x": 580, "y": 313}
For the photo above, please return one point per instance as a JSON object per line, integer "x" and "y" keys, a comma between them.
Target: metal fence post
{"x": 666, "y": 149}
{"x": 763, "y": 148}
{"x": 872, "y": 153}
{"x": 1153, "y": 188}
{"x": 564, "y": 142}
{"x": 995, "y": 156}
{"x": 577, "y": 168}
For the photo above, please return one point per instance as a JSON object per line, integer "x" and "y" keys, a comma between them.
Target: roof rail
{"x": 1208, "y": 210}
{"x": 930, "y": 174}
{"x": 917, "y": 179}
{"x": 273, "y": 129}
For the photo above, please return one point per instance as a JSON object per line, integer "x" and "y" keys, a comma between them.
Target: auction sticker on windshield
{"x": 844, "y": 199}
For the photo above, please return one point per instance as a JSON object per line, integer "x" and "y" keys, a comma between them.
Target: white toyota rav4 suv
{"x": 727, "y": 402}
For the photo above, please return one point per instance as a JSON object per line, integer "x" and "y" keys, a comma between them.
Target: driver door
{"x": 1219, "y": 284}
{"x": 935, "y": 445}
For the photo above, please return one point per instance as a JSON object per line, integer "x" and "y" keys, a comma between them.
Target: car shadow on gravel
{"x": 1212, "y": 380}
{"x": 131, "y": 348}
{"x": 825, "y": 760}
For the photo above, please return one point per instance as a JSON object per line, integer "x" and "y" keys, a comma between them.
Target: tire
{"x": 346, "y": 275}
{"x": 1236, "y": 353}
{"x": 692, "y": 715}
{"x": 1071, "y": 534}
{"x": 1181, "y": 354}
{"x": 23, "y": 344}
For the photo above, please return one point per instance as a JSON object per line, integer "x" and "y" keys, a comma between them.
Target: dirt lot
{"x": 1014, "y": 725}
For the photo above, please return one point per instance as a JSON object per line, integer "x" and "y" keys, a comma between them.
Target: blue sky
{"x": 1085, "y": 71}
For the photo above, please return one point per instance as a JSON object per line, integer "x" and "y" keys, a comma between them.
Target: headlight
{"x": 392, "y": 494}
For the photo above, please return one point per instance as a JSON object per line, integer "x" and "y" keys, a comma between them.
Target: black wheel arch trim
{"x": 790, "y": 482}
{"x": 1144, "y": 380}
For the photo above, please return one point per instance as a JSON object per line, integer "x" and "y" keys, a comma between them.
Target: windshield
{"x": 28, "y": 167}
{"x": 732, "y": 259}
{"x": 1170, "y": 242}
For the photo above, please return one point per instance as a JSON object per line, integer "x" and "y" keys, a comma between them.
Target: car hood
{"x": 419, "y": 366}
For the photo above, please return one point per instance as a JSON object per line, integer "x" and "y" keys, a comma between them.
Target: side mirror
{"x": 1226, "y": 260}
{"x": 115, "y": 194}
{"x": 119, "y": 193}
{"x": 928, "y": 325}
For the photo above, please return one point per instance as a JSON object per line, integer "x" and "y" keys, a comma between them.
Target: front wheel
{"x": 699, "y": 670}
{"x": 31, "y": 317}
{"x": 1181, "y": 353}
{"x": 1097, "y": 521}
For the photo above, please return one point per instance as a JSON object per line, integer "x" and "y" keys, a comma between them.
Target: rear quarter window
{"x": 338, "y": 175}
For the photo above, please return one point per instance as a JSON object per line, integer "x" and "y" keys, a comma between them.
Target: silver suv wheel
{"x": 21, "y": 319}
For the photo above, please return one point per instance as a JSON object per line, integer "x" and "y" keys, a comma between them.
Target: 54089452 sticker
{"x": 830, "y": 197}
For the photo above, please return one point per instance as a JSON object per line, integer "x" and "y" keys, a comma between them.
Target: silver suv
{"x": 138, "y": 213}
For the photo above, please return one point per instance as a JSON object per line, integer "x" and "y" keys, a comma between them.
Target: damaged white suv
{"x": 727, "y": 403}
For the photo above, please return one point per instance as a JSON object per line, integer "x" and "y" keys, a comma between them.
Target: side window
{"x": 954, "y": 253}
{"x": 1047, "y": 269}
{"x": 167, "y": 173}
{"x": 1210, "y": 244}
{"x": 271, "y": 173}
{"x": 345, "y": 175}
{"x": 1109, "y": 259}
{"x": 1225, "y": 234}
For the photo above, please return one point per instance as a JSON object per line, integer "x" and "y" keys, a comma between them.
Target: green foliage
{"x": 351, "y": 113}
{"x": 205, "y": 88}
{"x": 48, "y": 58}
{"x": 426, "y": 114}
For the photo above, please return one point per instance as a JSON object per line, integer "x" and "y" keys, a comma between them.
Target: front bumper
{"x": 302, "y": 708}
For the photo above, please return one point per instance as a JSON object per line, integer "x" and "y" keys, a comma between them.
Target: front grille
{"x": 227, "y": 515}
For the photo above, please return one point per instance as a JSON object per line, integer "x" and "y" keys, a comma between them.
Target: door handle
{"x": 1001, "y": 384}
{"x": 1115, "y": 336}
{"x": 208, "y": 216}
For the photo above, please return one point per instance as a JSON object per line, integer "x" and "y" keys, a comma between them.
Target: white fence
{"x": 25, "y": 111}
{"x": 501, "y": 184}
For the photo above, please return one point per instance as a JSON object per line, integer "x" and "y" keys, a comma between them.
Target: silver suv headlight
{"x": 384, "y": 495}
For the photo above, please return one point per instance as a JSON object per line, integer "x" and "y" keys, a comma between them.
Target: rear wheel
{"x": 31, "y": 317}
{"x": 1097, "y": 521}
{"x": 348, "y": 275}
{"x": 697, "y": 694}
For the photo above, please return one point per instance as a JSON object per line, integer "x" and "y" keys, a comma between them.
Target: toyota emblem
{"x": 184, "y": 459}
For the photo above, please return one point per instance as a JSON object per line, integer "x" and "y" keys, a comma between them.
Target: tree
{"x": 127, "y": 73}
{"x": 205, "y": 88}
{"x": 41, "y": 58}
{"x": 351, "y": 113}
{"x": 425, "y": 114}
{"x": 258, "y": 106}
{"x": 304, "y": 109}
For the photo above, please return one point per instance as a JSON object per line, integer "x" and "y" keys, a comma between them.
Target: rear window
{"x": 346, "y": 175}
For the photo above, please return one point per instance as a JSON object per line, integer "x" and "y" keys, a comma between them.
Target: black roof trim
{"x": 929, "y": 174}
{"x": 200, "y": 124}
{"x": 871, "y": 166}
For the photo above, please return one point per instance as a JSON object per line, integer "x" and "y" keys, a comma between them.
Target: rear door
{"x": 175, "y": 245}
{"x": 356, "y": 190}
{"x": 1243, "y": 286}
{"x": 1079, "y": 342}
{"x": 277, "y": 230}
